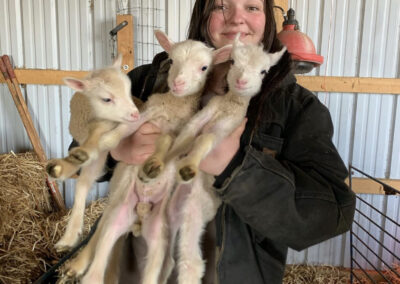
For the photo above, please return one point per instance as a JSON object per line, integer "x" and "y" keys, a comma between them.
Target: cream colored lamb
{"x": 131, "y": 199}
{"x": 102, "y": 113}
{"x": 217, "y": 120}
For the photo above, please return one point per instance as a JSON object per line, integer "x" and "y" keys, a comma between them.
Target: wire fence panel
{"x": 374, "y": 239}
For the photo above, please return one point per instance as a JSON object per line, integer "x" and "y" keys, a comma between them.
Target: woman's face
{"x": 232, "y": 16}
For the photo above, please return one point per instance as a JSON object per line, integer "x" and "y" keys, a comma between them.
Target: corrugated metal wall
{"x": 356, "y": 37}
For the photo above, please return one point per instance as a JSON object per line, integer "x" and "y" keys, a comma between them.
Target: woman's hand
{"x": 136, "y": 148}
{"x": 219, "y": 158}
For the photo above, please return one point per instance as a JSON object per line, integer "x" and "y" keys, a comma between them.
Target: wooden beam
{"x": 125, "y": 42}
{"x": 313, "y": 83}
{"x": 350, "y": 84}
{"x": 368, "y": 186}
{"x": 45, "y": 76}
{"x": 284, "y": 4}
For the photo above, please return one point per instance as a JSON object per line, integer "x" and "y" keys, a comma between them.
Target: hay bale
{"x": 310, "y": 274}
{"x": 29, "y": 227}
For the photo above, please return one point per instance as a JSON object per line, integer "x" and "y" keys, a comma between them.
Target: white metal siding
{"x": 356, "y": 37}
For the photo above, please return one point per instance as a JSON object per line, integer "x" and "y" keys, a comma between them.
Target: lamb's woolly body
{"x": 101, "y": 112}
{"x": 81, "y": 114}
{"x": 169, "y": 111}
{"x": 176, "y": 110}
{"x": 221, "y": 116}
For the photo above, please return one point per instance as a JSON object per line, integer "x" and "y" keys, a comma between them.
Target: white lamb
{"x": 100, "y": 109}
{"x": 130, "y": 198}
{"x": 217, "y": 120}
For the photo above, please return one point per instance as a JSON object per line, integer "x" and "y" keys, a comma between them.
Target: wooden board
{"x": 350, "y": 84}
{"x": 368, "y": 186}
{"x": 125, "y": 42}
{"x": 45, "y": 76}
{"x": 313, "y": 83}
{"x": 284, "y": 4}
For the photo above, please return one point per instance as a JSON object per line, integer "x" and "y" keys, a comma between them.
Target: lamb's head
{"x": 191, "y": 61}
{"x": 109, "y": 93}
{"x": 250, "y": 64}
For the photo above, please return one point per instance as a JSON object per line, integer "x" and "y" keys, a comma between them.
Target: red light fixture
{"x": 299, "y": 45}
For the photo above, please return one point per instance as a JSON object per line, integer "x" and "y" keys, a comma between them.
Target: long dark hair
{"x": 262, "y": 103}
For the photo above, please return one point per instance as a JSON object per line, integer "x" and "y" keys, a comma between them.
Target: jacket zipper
{"x": 223, "y": 240}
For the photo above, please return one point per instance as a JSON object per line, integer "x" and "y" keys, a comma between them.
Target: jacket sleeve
{"x": 298, "y": 198}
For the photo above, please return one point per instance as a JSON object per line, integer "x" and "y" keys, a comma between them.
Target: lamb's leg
{"x": 82, "y": 155}
{"x": 188, "y": 167}
{"x": 77, "y": 266}
{"x": 117, "y": 221}
{"x": 155, "y": 234}
{"x": 62, "y": 169}
{"x": 175, "y": 205}
{"x": 190, "y": 264}
{"x": 112, "y": 138}
{"x": 114, "y": 264}
{"x": 83, "y": 185}
{"x": 90, "y": 149}
{"x": 189, "y": 133}
{"x": 154, "y": 165}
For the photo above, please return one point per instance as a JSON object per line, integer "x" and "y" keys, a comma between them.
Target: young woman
{"x": 279, "y": 176}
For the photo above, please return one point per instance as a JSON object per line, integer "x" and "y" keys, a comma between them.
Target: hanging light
{"x": 299, "y": 45}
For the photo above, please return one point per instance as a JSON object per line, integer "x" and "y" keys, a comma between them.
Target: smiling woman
{"x": 279, "y": 176}
{"x": 230, "y": 17}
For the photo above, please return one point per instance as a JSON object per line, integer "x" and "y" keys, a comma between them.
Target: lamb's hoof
{"x": 67, "y": 242}
{"x": 77, "y": 156}
{"x": 187, "y": 173}
{"x": 53, "y": 169}
{"x": 62, "y": 248}
{"x": 153, "y": 168}
{"x": 75, "y": 268}
{"x": 72, "y": 274}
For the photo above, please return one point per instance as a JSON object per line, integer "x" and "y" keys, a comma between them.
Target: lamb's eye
{"x": 170, "y": 61}
{"x": 232, "y": 61}
{"x": 106, "y": 100}
{"x": 204, "y": 68}
{"x": 264, "y": 72}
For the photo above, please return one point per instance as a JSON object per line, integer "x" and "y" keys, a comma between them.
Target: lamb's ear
{"x": 164, "y": 40}
{"x": 222, "y": 54}
{"x": 117, "y": 62}
{"x": 237, "y": 41}
{"x": 76, "y": 84}
{"x": 277, "y": 55}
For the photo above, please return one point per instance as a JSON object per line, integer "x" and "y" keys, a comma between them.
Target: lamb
{"x": 102, "y": 113}
{"x": 190, "y": 64}
{"x": 218, "y": 119}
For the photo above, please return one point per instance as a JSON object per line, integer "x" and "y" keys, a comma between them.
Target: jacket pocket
{"x": 268, "y": 144}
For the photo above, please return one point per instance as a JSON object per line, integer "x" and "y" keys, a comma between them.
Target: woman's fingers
{"x": 219, "y": 158}
{"x": 136, "y": 148}
{"x": 149, "y": 128}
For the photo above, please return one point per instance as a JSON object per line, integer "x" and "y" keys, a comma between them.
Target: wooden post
{"x": 284, "y": 4}
{"x": 125, "y": 42}
{"x": 13, "y": 85}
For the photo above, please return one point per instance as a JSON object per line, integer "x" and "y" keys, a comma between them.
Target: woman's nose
{"x": 236, "y": 15}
